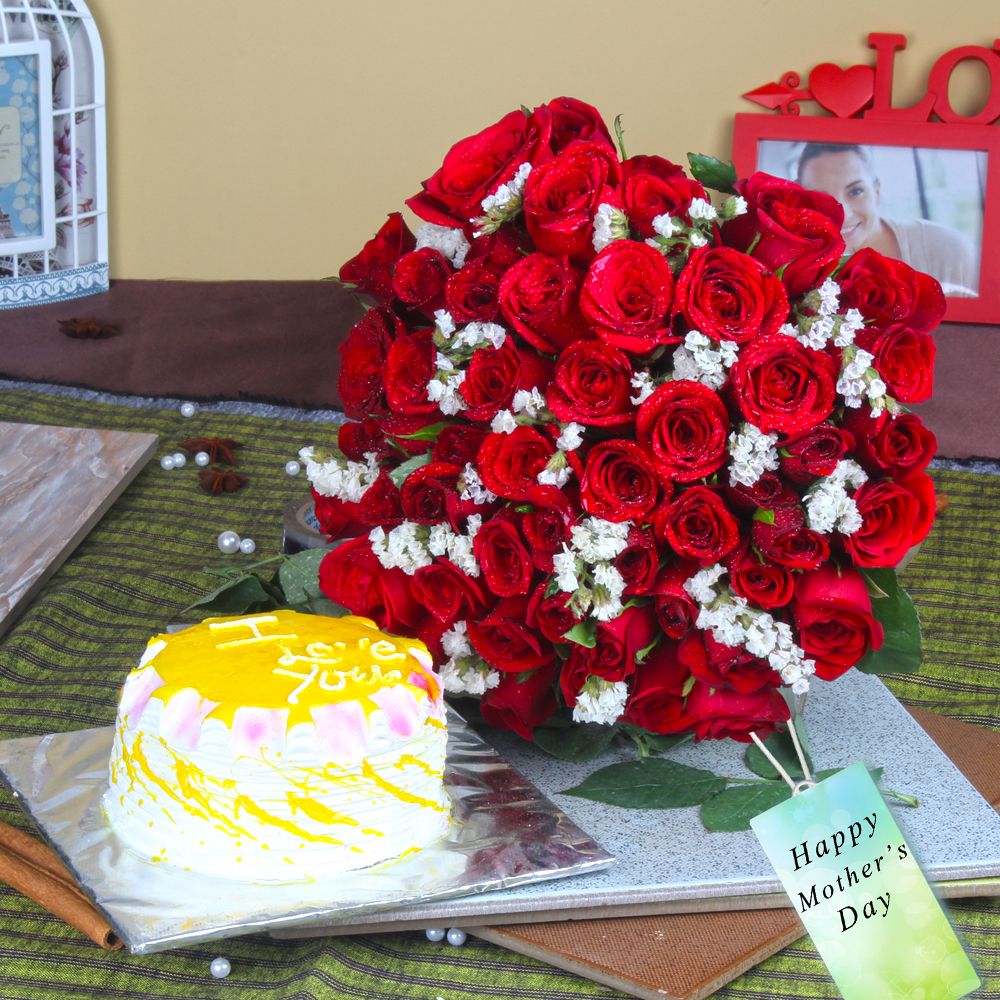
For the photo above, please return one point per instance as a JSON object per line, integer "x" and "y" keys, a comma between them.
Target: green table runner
{"x": 62, "y": 663}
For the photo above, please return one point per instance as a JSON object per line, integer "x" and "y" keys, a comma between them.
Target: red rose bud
{"x": 475, "y": 167}
{"x": 503, "y": 557}
{"x": 788, "y": 227}
{"x": 381, "y": 505}
{"x": 546, "y": 528}
{"x": 639, "y": 562}
{"x": 815, "y": 453}
{"x": 895, "y": 516}
{"x": 491, "y": 379}
{"x": 551, "y": 615}
{"x": 685, "y": 426}
{"x": 409, "y": 367}
{"x": 675, "y": 610}
{"x": 573, "y": 119}
{"x": 729, "y": 296}
{"x": 362, "y": 363}
{"x": 539, "y": 299}
{"x": 352, "y": 577}
{"x": 788, "y": 542}
{"x": 653, "y": 186}
{"x": 888, "y": 445}
{"x": 698, "y": 526}
{"x": 447, "y": 593}
{"x": 419, "y": 280}
{"x": 499, "y": 251}
{"x": 337, "y": 518}
{"x": 458, "y": 444}
{"x": 562, "y": 196}
{"x": 656, "y": 702}
{"x": 770, "y": 492}
{"x": 762, "y": 583}
{"x": 833, "y": 616}
{"x": 356, "y": 440}
{"x": 592, "y": 384}
{"x": 779, "y": 385}
{"x": 724, "y": 714}
{"x": 426, "y": 490}
{"x": 506, "y": 642}
{"x": 905, "y": 360}
{"x": 371, "y": 269}
{"x": 626, "y": 297}
{"x": 509, "y": 463}
{"x": 730, "y": 667}
{"x": 618, "y": 483}
{"x": 521, "y": 704}
{"x": 889, "y": 293}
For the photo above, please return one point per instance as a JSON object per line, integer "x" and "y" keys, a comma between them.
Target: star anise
{"x": 89, "y": 328}
{"x": 216, "y": 480}
{"x": 218, "y": 449}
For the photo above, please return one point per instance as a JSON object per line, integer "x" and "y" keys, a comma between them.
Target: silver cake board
{"x": 668, "y": 863}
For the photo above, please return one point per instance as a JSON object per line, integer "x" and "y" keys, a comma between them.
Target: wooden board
{"x": 55, "y": 484}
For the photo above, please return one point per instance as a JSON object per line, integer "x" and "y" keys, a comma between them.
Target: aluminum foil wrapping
{"x": 504, "y": 833}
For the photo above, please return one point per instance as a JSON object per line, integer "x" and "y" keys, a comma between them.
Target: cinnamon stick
{"x": 32, "y": 868}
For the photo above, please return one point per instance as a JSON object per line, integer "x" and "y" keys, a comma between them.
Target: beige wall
{"x": 262, "y": 139}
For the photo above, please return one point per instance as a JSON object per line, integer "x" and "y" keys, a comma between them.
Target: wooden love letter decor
{"x": 920, "y": 182}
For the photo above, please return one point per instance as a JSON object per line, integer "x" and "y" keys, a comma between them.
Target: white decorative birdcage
{"x": 53, "y": 153}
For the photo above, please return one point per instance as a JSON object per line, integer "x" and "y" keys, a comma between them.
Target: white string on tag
{"x": 795, "y": 786}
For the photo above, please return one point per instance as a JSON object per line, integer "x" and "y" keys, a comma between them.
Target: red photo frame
{"x": 750, "y": 131}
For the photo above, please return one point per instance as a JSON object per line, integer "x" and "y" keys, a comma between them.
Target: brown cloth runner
{"x": 277, "y": 341}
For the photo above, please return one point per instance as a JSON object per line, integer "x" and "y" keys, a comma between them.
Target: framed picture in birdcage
{"x": 27, "y": 166}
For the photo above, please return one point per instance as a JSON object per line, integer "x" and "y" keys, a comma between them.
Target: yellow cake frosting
{"x": 279, "y": 746}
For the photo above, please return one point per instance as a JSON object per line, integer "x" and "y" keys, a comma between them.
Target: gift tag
{"x": 853, "y": 880}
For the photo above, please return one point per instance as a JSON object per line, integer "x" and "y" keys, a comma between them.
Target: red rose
{"x": 337, "y": 518}
{"x": 547, "y": 526}
{"x": 639, "y": 562}
{"x": 495, "y": 374}
{"x": 770, "y": 492}
{"x": 833, "y": 615}
{"x": 718, "y": 714}
{"x": 592, "y": 384}
{"x": 503, "y": 557}
{"x": 419, "y": 279}
{"x": 471, "y": 294}
{"x": 779, "y": 385}
{"x": 509, "y": 463}
{"x": 895, "y": 516}
{"x": 551, "y": 615}
{"x": 371, "y": 269}
{"x": 653, "y": 186}
{"x": 356, "y": 440}
{"x": 562, "y": 195}
{"x": 505, "y": 641}
{"x": 762, "y": 583}
{"x": 408, "y": 368}
{"x": 362, "y": 362}
{"x": 808, "y": 456}
{"x": 521, "y": 704}
{"x": 889, "y": 293}
{"x": 656, "y": 701}
{"x": 675, "y": 610}
{"x": 698, "y": 525}
{"x": 478, "y": 165}
{"x": 720, "y": 666}
{"x": 538, "y": 298}
{"x": 888, "y": 445}
{"x": 447, "y": 593}
{"x": 426, "y": 492}
{"x": 459, "y": 444}
{"x": 788, "y": 542}
{"x": 729, "y": 296}
{"x": 626, "y": 297}
{"x": 352, "y": 577}
{"x": 499, "y": 251}
{"x": 788, "y": 227}
{"x": 381, "y": 504}
{"x": 905, "y": 360}
{"x": 573, "y": 119}
{"x": 619, "y": 483}
{"x": 685, "y": 426}
{"x": 402, "y": 427}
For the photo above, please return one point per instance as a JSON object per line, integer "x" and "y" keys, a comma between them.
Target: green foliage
{"x": 583, "y": 633}
{"x": 399, "y": 474}
{"x": 713, "y": 173}
{"x": 900, "y": 653}
{"x": 649, "y": 784}
{"x": 781, "y": 746}
{"x": 578, "y": 743}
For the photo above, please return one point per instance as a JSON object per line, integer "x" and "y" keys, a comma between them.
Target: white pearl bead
{"x": 293, "y": 468}
{"x": 188, "y": 409}
{"x": 435, "y": 934}
{"x": 180, "y": 459}
{"x": 220, "y": 967}
{"x": 228, "y": 542}
{"x": 167, "y": 462}
{"x": 247, "y": 546}
{"x": 202, "y": 459}
{"x": 456, "y": 937}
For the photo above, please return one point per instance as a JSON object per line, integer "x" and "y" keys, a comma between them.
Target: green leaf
{"x": 713, "y": 173}
{"x": 653, "y": 742}
{"x": 236, "y": 596}
{"x": 764, "y": 515}
{"x": 428, "y": 433}
{"x": 900, "y": 652}
{"x": 299, "y": 575}
{"x": 620, "y": 135}
{"x": 881, "y": 583}
{"x": 577, "y": 743}
{"x": 320, "y": 606}
{"x": 583, "y": 633}
{"x": 399, "y": 474}
{"x": 688, "y": 686}
{"x": 640, "y": 657}
{"x": 652, "y": 783}
{"x": 733, "y": 809}
{"x": 780, "y": 744}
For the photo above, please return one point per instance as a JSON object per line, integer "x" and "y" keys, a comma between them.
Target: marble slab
{"x": 77, "y": 471}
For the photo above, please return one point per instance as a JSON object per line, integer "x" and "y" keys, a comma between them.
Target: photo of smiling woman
{"x": 921, "y": 206}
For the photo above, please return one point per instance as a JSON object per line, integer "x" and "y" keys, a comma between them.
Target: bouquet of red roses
{"x": 624, "y": 451}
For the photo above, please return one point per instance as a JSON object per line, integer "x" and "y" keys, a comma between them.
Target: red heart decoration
{"x": 843, "y": 92}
